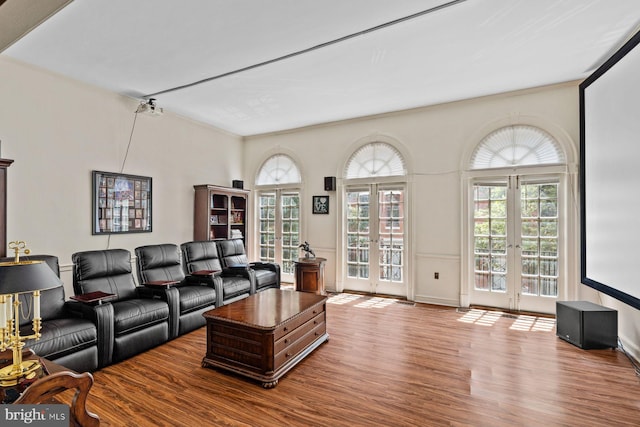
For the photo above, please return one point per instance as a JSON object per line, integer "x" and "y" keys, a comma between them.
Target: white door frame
{"x": 567, "y": 257}
{"x": 341, "y": 254}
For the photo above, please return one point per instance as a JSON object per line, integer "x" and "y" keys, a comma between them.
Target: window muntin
{"x": 490, "y": 237}
{"x": 290, "y": 232}
{"x": 517, "y": 145}
{"x": 358, "y": 238}
{"x": 279, "y": 169}
{"x": 375, "y": 160}
{"x": 539, "y": 238}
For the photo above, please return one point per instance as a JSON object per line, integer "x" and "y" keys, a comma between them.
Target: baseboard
{"x": 436, "y": 301}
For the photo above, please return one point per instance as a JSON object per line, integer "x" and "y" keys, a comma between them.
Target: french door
{"x": 375, "y": 239}
{"x": 516, "y": 243}
{"x": 279, "y": 229}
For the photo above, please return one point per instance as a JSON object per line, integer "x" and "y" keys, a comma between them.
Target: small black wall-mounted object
{"x": 329, "y": 183}
{"x": 236, "y": 183}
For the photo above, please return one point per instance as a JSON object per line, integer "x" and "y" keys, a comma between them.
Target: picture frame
{"x": 321, "y": 205}
{"x": 121, "y": 203}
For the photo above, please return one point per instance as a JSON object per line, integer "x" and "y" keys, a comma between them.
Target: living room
{"x": 58, "y": 130}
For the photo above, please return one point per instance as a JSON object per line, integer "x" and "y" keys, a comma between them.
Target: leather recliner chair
{"x": 140, "y": 317}
{"x": 188, "y": 298}
{"x": 72, "y": 333}
{"x": 232, "y": 284}
{"x": 232, "y": 253}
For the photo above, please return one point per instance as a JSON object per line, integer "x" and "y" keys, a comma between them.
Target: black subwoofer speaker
{"x": 329, "y": 183}
{"x": 587, "y": 325}
{"x": 236, "y": 183}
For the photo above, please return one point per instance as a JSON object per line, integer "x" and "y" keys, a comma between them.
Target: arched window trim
{"x": 517, "y": 146}
{"x": 375, "y": 159}
{"x": 279, "y": 170}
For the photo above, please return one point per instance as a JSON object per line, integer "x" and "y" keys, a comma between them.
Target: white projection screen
{"x": 610, "y": 176}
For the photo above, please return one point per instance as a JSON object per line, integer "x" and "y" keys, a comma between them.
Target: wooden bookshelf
{"x": 220, "y": 213}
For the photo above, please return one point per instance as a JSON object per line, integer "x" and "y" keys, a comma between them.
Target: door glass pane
{"x": 539, "y": 230}
{"x": 290, "y": 226}
{"x": 490, "y": 237}
{"x": 267, "y": 229}
{"x": 358, "y": 234}
{"x": 391, "y": 235}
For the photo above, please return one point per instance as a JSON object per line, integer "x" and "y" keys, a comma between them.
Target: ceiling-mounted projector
{"x": 149, "y": 107}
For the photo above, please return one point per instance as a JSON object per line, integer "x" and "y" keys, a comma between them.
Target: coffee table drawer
{"x": 297, "y": 346}
{"x": 295, "y": 322}
{"x": 296, "y": 334}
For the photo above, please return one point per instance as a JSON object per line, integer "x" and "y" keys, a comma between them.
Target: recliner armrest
{"x": 258, "y": 265}
{"x": 102, "y": 316}
{"x": 158, "y": 291}
{"x": 235, "y": 269}
{"x": 241, "y": 271}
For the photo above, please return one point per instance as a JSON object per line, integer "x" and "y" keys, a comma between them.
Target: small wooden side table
{"x": 310, "y": 275}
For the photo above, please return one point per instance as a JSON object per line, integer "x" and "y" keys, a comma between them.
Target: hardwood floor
{"x": 386, "y": 363}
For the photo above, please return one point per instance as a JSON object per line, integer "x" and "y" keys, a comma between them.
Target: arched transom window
{"x": 375, "y": 160}
{"x": 278, "y": 169}
{"x": 517, "y": 145}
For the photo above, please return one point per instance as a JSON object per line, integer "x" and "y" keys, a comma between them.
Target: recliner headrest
{"x": 94, "y": 264}
{"x": 154, "y": 256}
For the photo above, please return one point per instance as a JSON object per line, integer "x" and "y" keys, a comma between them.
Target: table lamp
{"x": 16, "y": 278}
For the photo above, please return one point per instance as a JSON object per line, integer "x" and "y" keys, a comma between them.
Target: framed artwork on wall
{"x": 121, "y": 203}
{"x": 320, "y": 204}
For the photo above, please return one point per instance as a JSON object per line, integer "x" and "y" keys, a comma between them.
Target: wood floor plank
{"x": 386, "y": 363}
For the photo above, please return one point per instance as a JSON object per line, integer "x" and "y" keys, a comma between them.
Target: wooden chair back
{"x": 44, "y": 390}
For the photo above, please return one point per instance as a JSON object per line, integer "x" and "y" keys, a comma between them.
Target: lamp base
{"x": 26, "y": 370}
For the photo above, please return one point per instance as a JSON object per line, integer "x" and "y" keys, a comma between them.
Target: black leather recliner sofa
{"x": 232, "y": 253}
{"x": 188, "y": 298}
{"x": 140, "y": 315}
{"x": 72, "y": 334}
{"x": 231, "y": 284}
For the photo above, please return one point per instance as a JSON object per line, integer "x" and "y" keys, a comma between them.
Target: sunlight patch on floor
{"x": 481, "y": 317}
{"x": 520, "y": 322}
{"x": 375, "y": 302}
{"x": 533, "y": 323}
{"x": 361, "y": 301}
{"x": 341, "y": 299}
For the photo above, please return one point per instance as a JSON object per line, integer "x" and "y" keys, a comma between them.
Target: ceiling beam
{"x": 19, "y": 17}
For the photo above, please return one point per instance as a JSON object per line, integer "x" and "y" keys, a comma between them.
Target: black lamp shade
{"x": 26, "y": 277}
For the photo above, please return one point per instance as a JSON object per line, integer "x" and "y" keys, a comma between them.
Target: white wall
{"x": 58, "y": 130}
{"x": 437, "y": 141}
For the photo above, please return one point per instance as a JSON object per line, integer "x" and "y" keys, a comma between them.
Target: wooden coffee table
{"x": 266, "y": 334}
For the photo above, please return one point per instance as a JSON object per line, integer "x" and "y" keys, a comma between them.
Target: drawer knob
{"x": 286, "y": 341}
{"x": 315, "y": 322}
{"x": 288, "y": 355}
{"x": 285, "y": 329}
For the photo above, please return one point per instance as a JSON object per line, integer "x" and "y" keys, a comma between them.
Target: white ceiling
{"x": 273, "y": 65}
